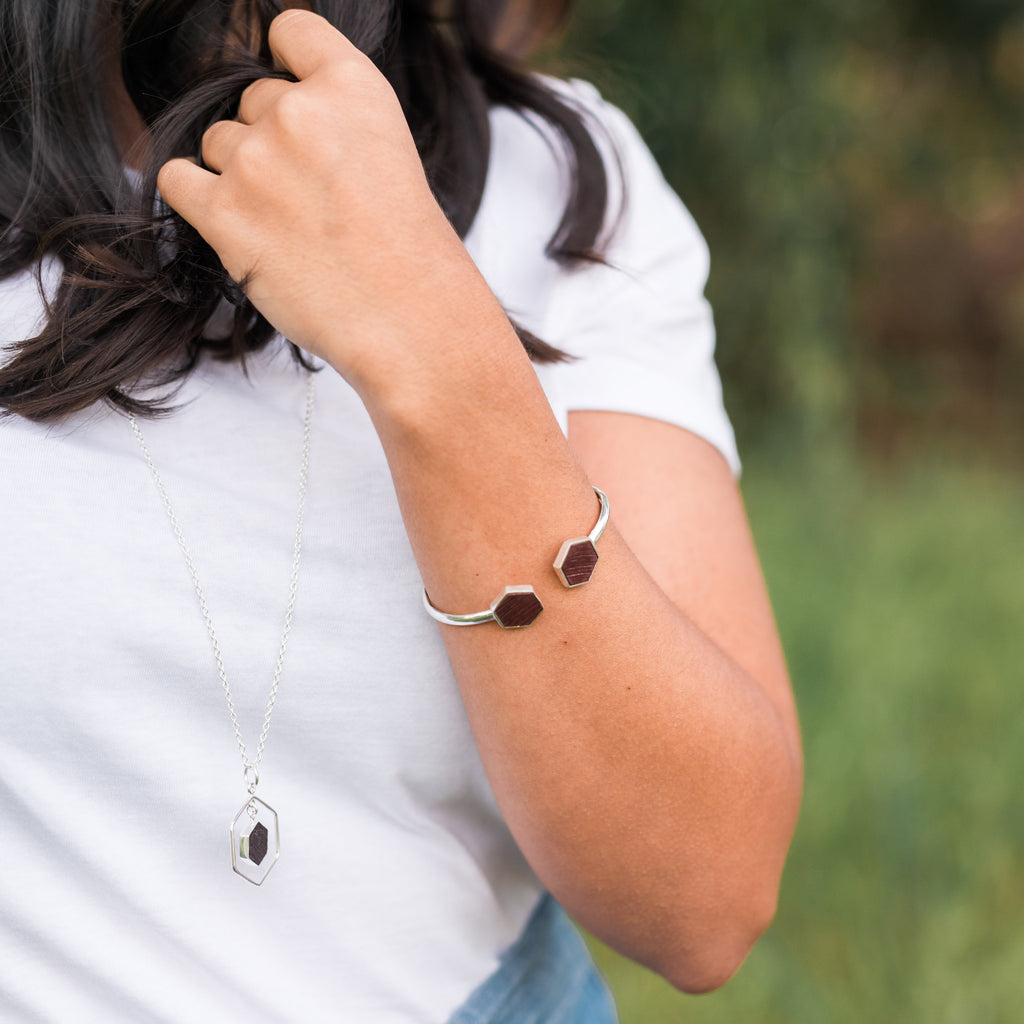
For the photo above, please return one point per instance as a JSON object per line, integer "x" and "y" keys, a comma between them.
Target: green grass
{"x": 900, "y": 598}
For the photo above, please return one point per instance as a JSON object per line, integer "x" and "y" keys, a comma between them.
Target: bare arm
{"x": 640, "y": 736}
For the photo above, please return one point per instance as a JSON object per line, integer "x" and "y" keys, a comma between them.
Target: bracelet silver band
{"x": 514, "y": 608}
{"x": 518, "y": 606}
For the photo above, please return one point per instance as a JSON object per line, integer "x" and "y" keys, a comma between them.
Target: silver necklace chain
{"x": 250, "y": 768}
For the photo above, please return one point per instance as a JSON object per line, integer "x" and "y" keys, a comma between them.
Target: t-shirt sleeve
{"x": 640, "y": 327}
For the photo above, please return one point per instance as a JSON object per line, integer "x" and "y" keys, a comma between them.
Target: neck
{"x": 130, "y": 131}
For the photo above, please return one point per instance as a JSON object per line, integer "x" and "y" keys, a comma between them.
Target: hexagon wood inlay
{"x": 576, "y": 561}
{"x": 516, "y": 607}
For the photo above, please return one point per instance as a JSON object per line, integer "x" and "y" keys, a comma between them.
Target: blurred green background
{"x": 858, "y": 170}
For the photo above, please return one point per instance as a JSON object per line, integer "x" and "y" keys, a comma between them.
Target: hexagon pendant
{"x": 255, "y": 840}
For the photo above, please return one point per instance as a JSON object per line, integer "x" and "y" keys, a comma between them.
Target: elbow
{"x": 698, "y": 975}
{"x": 739, "y": 906}
{"x": 707, "y": 964}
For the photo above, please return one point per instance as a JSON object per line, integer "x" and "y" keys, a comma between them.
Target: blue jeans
{"x": 547, "y": 977}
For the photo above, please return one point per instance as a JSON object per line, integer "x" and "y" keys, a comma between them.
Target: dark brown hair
{"x": 139, "y": 284}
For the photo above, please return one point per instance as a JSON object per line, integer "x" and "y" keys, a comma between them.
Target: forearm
{"x": 649, "y": 780}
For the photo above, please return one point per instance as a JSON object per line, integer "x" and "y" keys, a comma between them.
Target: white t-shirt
{"x": 398, "y": 884}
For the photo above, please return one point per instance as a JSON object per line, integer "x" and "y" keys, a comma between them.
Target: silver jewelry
{"x": 577, "y": 558}
{"x": 514, "y": 608}
{"x": 517, "y": 607}
{"x": 254, "y": 832}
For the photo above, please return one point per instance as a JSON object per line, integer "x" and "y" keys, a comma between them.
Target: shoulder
{"x": 638, "y": 325}
{"x": 529, "y": 179}
{"x": 529, "y": 185}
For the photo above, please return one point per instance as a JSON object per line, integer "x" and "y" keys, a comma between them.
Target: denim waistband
{"x": 546, "y": 977}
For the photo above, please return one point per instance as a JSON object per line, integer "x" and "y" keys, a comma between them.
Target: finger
{"x": 259, "y": 97}
{"x": 187, "y": 188}
{"x": 302, "y": 42}
{"x": 220, "y": 141}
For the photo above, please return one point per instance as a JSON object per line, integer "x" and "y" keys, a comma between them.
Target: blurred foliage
{"x": 899, "y": 599}
{"x": 858, "y": 169}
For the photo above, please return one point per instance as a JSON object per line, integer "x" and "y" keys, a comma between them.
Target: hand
{"x": 316, "y": 199}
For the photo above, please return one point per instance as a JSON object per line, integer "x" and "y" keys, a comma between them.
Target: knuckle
{"x": 254, "y": 88}
{"x": 248, "y": 98}
{"x": 337, "y": 74}
{"x": 355, "y": 70}
{"x": 260, "y": 93}
{"x": 293, "y": 110}
{"x": 214, "y": 135}
{"x": 290, "y": 105}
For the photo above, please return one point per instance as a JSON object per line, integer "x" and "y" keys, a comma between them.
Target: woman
{"x": 632, "y": 749}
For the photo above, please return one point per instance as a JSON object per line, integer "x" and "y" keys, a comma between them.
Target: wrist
{"x": 450, "y": 350}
